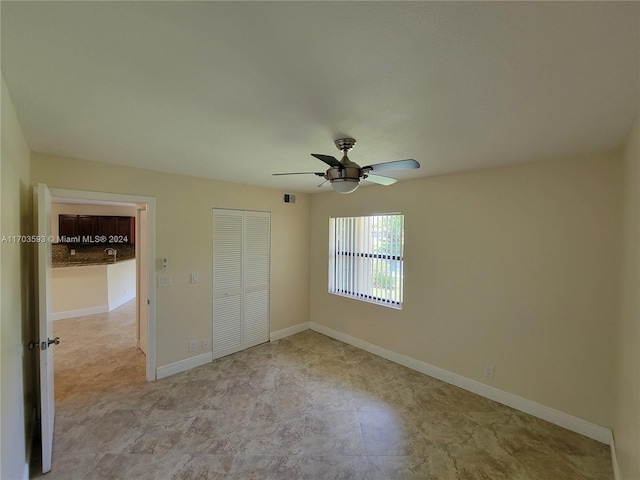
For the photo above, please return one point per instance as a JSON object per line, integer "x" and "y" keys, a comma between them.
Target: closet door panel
{"x": 256, "y": 318}
{"x": 257, "y": 246}
{"x": 227, "y": 325}
{"x": 227, "y": 251}
{"x": 227, "y": 281}
{"x": 256, "y": 277}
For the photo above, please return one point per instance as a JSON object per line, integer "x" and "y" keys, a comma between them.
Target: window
{"x": 365, "y": 258}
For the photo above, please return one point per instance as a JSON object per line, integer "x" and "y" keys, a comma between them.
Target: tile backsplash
{"x": 89, "y": 254}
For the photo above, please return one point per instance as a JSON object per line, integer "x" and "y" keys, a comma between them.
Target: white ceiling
{"x": 239, "y": 90}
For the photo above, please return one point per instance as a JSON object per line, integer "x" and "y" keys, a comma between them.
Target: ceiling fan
{"x": 345, "y": 175}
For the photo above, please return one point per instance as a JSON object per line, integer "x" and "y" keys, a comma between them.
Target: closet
{"x": 241, "y": 254}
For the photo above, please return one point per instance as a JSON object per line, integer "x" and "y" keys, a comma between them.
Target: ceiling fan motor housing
{"x": 350, "y": 172}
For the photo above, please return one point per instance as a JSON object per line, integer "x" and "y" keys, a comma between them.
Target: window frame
{"x": 354, "y": 253}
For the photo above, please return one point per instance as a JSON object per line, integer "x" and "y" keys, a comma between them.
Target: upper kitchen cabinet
{"x": 87, "y": 225}
{"x": 86, "y": 229}
{"x": 126, "y": 228}
{"x": 107, "y": 226}
{"x": 67, "y": 226}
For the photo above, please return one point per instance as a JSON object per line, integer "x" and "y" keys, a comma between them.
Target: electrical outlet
{"x": 193, "y": 345}
{"x": 489, "y": 371}
{"x": 205, "y": 343}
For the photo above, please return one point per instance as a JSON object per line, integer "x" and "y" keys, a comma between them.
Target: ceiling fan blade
{"x": 380, "y": 180}
{"x": 328, "y": 159}
{"x": 396, "y": 165}
{"x": 320, "y": 174}
{"x": 323, "y": 183}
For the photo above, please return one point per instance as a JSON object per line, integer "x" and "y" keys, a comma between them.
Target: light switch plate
{"x": 164, "y": 281}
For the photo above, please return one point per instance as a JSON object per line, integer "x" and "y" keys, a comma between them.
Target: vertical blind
{"x": 366, "y": 258}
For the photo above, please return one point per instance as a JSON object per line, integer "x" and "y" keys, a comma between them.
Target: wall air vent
{"x": 288, "y": 198}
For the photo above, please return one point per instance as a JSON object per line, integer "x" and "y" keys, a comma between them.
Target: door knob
{"x": 44, "y": 345}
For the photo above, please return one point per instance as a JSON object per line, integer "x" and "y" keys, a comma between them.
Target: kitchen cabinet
{"x": 126, "y": 228}
{"x": 87, "y": 225}
{"x": 85, "y": 228}
{"x": 67, "y": 226}
{"x": 107, "y": 226}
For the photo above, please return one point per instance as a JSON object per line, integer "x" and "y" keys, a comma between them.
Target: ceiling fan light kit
{"x": 345, "y": 185}
{"x": 345, "y": 175}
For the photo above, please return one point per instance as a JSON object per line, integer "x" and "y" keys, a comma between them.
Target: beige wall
{"x": 17, "y": 372}
{"x": 626, "y": 422}
{"x": 184, "y": 235}
{"x": 79, "y": 288}
{"x": 121, "y": 283}
{"x": 100, "y": 288}
{"x": 515, "y": 267}
{"x": 58, "y": 209}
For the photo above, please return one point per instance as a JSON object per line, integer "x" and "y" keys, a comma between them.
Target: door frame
{"x": 151, "y": 368}
{"x": 140, "y": 279}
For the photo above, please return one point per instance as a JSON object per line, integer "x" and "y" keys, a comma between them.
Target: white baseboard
{"x": 25, "y": 472}
{"x": 578, "y": 425}
{"x": 343, "y": 337}
{"x": 183, "y": 365}
{"x": 614, "y": 459}
{"x": 285, "y": 332}
{"x": 189, "y": 363}
{"x": 121, "y": 301}
{"x": 80, "y": 312}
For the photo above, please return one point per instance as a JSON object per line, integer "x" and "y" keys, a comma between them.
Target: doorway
{"x": 94, "y": 295}
{"x": 42, "y": 216}
{"x": 145, "y": 270}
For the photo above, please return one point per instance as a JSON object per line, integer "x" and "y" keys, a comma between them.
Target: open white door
{"x": 142, "y": 293}
{"x": 47, "y": 410}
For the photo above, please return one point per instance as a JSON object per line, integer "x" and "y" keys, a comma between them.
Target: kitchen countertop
{"x": 88, "y": 263}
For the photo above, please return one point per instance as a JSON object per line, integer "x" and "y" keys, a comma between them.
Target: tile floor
{"x": 304, "y": 407}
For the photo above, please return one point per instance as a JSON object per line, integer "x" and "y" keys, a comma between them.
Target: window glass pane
{"x": 365, "y": 258}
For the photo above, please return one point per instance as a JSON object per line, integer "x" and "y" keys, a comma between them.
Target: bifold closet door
{"x": 241, "y": 250}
